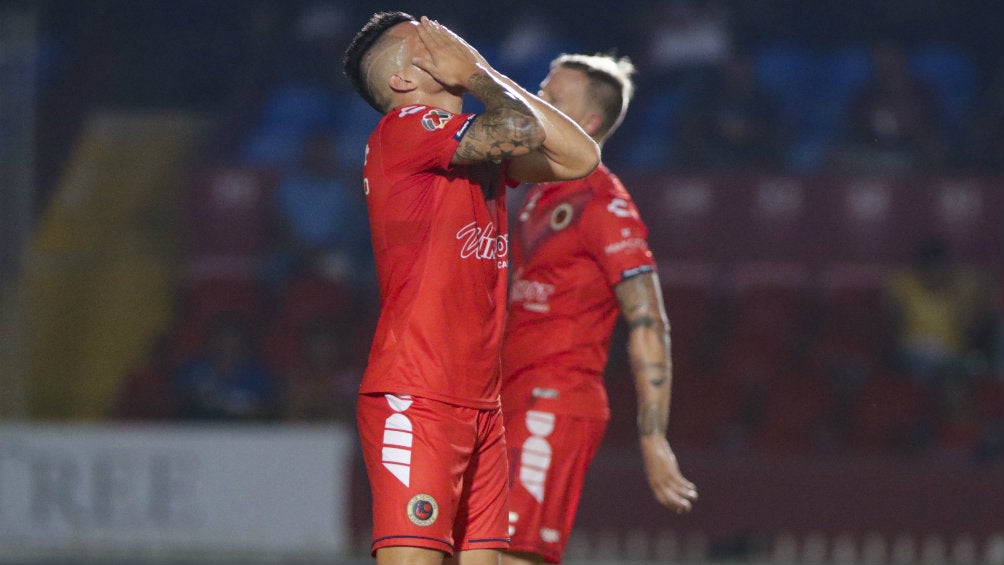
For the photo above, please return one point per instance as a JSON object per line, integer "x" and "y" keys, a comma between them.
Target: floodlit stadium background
{"x": 141, "y": 146}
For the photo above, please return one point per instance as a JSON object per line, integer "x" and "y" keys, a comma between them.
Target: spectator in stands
{"x": 732, "y": 123}
{"x": 937, "y": 313}
{"x": 322, "y": 384}
{"x": 894, "y": 125}
{"x": 321, "y": 217}
{"x": 226, "y": 380}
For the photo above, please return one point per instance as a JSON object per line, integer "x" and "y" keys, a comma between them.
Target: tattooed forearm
{"x": 648, "y": 350}
{"x": 644, "y": 321}
{"x": 652, "y": 420}
{"x": 508, "y": 127}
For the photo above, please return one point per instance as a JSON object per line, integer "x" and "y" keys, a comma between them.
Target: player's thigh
{"x": 521, "y": 559}
{"x": 478, "y": 557}
{"x": 482, "y": 518}
{"x": 549, "y": 454}
{"x": 415, "y": 451}
{"x": 408, "y": 556}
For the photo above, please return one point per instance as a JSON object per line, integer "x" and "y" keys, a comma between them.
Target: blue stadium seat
{"x": 302, "y": 106}
{"x": 952, "y": 74}
{"x": 790, "y": 73}
{"x": 273, "y": 146}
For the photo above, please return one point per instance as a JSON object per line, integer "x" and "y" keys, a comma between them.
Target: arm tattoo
{"x": 643, "y": 321}
{"x": 652, "y": 420}
{"x": 507, "y": 128}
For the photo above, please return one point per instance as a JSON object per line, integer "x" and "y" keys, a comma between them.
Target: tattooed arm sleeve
{"x": 641, "y": 304}
{"x": 508, "y": 128}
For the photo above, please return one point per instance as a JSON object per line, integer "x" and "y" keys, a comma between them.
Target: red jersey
{"x": 574, "y": 242}
{"x": 440, "y": 240}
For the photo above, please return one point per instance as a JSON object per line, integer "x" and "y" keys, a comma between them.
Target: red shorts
{"x": 438, "y": 473}
{"x": 549, "y": 454}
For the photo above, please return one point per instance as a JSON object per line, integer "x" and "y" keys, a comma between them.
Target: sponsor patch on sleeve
{"x": 633, "y": 272}
{"x": 463, "y": 128}
{"x": 435, "y": 119}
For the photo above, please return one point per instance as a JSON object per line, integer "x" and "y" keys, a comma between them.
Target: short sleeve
{"x": 421, "y": 138}
{"x": 616, "y": 237}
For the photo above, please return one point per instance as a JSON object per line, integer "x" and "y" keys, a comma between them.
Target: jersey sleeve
{"x": 422, "y": 138}
{"x": 617, "y": 238}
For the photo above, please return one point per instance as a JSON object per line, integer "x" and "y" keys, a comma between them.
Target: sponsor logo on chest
{"x": 484, "y": 243}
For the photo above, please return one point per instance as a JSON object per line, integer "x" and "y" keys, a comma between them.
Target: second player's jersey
{"x": 574, "y": 241}
{"x": 441, "y": 247}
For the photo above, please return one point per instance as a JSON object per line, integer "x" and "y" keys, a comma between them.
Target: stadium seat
{"x": 850, "y": 325}
{"x": 789, "y": 72}
{"x": 690, "y": 292}
{"x": 304, "y": 299}
{"x": 205, "y": 300}
{"x": 227, "y": 216}
{"x": 273, "y": 146}
{"x": 766, "y": 321}
{"x": 952, "y": 74}
{"x": 299, "y": 106}
{"x": 886, "y": 413}
{"x": 706, "y": 409}
{"x": 794, "y": 414}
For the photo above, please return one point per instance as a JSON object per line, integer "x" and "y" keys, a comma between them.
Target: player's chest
{"x": 551, "y": 220}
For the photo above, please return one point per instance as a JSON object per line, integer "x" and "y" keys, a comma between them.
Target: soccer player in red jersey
{"x": 428, "y": 414}
{"x": 580, "y": 255}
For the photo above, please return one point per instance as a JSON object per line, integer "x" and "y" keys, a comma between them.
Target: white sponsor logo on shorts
{"x": 397, "y": 439}
{"x": 550, "y": 535}
{"x": 535, "y": 456}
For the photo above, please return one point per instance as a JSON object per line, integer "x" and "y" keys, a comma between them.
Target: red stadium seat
{"x": 704, "y": 408}
{"x": 205, "y": 300}
{"x": 795, "y": 413}
{"x": 885, "y": 413}
{"x": 228, "y": 217}
{"x": 690, "y": 292}
{"x": 304, "y": 298}
{"x": 767, "y": 321}
{"x": 850, "y": 330}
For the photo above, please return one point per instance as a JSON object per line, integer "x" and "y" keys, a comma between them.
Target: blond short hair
{"x": 611, "y": 84}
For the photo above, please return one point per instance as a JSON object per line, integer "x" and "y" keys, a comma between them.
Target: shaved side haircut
{"x": 361, "y": 44}
{"x": 611, "y": 85}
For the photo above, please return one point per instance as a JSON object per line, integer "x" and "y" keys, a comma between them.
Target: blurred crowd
{"x": 722, "y": 87}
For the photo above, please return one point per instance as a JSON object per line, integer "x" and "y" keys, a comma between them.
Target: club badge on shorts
{"x": 422, "y": 510}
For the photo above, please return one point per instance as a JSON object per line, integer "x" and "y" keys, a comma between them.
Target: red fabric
{"x": 549, "y": 454}
{"x": 437, "y": 472}
{"x": 441, "y": 246}
{"x": 575, "y": 242}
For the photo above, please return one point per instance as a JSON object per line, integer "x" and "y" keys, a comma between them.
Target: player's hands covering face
{"x": 449, "y": 59}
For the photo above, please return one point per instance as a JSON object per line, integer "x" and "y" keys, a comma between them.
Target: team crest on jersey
{"x": 435, "y": 119}
{"x": 422, "y": 510}
{"x": 561, "y": 216}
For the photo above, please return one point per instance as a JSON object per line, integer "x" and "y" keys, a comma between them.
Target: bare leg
{"x": 408, "y": 556}
{"x": 478, "y": 557}
{"x": 521, "y": 559}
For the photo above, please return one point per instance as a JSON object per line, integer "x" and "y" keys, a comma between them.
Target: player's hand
{"x": 668, "y": 485}
{"x": 449, "y": 59}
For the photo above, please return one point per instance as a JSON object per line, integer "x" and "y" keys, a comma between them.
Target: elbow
{"x": 584, "y": 159}
{"x": 534, "y": 133}
{"x": 591, "y": 157}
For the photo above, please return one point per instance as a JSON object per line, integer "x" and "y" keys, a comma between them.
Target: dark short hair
{"x": 361, "y": 44}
